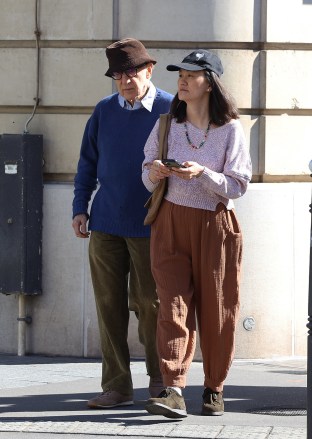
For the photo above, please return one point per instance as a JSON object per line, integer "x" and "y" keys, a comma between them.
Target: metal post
{"x": 23, "y": 321}
{"x": 21, "y": 340}
{"x": 309, "y": 325}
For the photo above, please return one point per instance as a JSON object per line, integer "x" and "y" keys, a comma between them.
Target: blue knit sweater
{"x": 112, "y": 155}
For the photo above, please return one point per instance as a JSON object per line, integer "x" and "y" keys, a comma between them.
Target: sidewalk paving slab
{"x": 264, "y": 399}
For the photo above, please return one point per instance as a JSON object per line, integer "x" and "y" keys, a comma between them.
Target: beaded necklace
{"x": 202, "y": 142}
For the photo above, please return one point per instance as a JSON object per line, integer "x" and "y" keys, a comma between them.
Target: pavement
{"x": 45, "y": 397}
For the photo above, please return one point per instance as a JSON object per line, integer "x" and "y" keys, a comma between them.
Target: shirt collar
{"x": 146, "y": 102}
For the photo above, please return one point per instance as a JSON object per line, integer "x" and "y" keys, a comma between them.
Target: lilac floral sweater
{"x": 224, "y": 155}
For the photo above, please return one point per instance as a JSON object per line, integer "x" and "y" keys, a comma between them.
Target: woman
{"x": 196, "y": 241}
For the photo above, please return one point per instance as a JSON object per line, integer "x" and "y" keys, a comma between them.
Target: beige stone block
{"x": 58, "y": 19}
{"x": 76, "y": 19}
{"x": 74, "y": 77}
{"x": 91, "y": 335}
{"x": 17, "y": 20}
{"x": 271, "y": 291}
{"x": 8, "y": 323}
{"x": 58, "y": 314}
{"x": 61, "y": 141}
{"x": 62, "y": 134}
{"x": 68, "y": 77}
{"x": 251, "y": 129}
{"x": 241, "y": 72}
{"x": 289, "y": 21}
{"x": 18, "y": 76}
{"x": 275, "y": 272}
{"x": 288, "y": 83}
{"x": 195, "y": 20}
{"x": 287, "y": 145}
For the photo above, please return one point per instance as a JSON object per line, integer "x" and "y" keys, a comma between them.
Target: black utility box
{"x": 21, "y": 193}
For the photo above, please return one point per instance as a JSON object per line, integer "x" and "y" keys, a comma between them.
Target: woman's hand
{"x": 158, "y": 171}
{"x": 192, "y": 170}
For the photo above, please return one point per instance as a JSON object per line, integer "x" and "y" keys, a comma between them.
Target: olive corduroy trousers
{"x": 122, "y": 281}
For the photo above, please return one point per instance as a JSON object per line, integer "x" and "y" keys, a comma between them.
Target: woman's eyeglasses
{"x": 131, "y": 73}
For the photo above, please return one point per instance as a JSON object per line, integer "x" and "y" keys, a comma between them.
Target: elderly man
{"x": 112, "y": 154}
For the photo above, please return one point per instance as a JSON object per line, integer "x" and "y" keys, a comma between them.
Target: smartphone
{"x": 171, "y": 163}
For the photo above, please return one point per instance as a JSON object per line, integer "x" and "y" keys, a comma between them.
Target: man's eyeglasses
{"x": 131, "y": 73}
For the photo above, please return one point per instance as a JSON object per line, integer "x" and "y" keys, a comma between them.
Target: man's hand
{"x": 80, "y": 226}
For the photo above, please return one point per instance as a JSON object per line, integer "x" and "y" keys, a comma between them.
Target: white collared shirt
{"x": 146, "y": 102}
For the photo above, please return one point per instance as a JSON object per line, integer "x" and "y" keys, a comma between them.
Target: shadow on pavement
{"x": 238, "y": 399}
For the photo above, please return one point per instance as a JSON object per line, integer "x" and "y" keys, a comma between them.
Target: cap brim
{"x": 184, "y": 66}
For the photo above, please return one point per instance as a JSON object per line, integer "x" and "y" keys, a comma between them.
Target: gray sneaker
{"x": 168, "y": 403}
{"x": 213, "y": 404}
{"x": 109, "y": 399}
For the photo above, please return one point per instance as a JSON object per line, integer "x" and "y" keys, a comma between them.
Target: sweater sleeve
{"x": 151, "y": 153}
{"x": 232, "y": 182}
{"x": 86, "y": 177}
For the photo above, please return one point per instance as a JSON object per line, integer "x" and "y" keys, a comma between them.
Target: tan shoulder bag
{"x": 154, "y": 201}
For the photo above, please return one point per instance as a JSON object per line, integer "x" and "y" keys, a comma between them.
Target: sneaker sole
{"x": 161, "y": 409}
{"x": 119, "y": 404}
{"x": 203, "y": 413}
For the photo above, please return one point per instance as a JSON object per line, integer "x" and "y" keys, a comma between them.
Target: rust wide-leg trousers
{"x": 196, "y": 258}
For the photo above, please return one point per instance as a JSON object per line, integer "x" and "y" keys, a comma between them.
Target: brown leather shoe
{"x": 109, "y": 399}
{"x": 168, "y": 403}
{"x": 213, "y": 404}
{"x": 155, "y": 386}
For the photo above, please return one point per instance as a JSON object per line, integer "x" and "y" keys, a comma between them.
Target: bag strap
{"x": 164, "y": 127}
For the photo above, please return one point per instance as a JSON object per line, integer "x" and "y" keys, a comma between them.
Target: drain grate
{"x": 279, "y": 411}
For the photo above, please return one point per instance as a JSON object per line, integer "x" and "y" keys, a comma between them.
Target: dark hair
{"x": 222, "y": 106}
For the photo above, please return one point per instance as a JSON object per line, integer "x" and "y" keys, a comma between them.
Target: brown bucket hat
{"x": 126, "y": 54}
